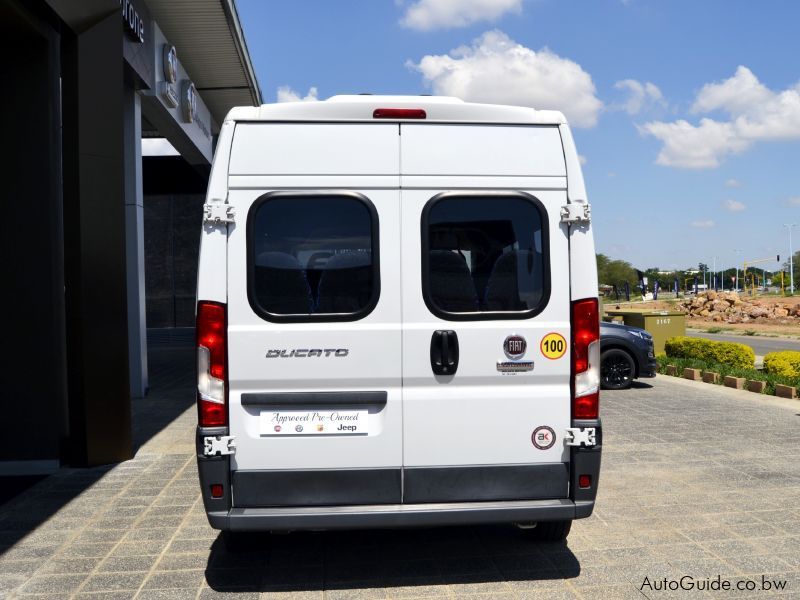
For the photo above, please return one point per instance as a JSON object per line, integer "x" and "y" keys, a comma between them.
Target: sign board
{"x": 174, "y": 105}
{"x": 137, "y": 40}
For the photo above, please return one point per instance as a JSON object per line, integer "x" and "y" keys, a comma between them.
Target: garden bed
{"x": 723, "y": 370}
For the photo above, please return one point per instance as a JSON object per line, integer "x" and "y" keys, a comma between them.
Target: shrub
{"x": 786, "y": 363}
{"x": 727, "y": 353}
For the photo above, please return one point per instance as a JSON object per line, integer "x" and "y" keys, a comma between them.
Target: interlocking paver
{"x": 695, "y": 481}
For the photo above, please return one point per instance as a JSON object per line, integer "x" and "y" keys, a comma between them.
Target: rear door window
{"x": 484, "y": 256}
{"x": 313, "y": 257}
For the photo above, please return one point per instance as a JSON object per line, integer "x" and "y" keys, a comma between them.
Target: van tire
{"x": 237, "y": 542}
{"x": 551, "y": 531}
{"x": 617, "y": 369}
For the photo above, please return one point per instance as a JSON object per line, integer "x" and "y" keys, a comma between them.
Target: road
{"x": 761, "y": 345}
{"x": 697, "y": 480}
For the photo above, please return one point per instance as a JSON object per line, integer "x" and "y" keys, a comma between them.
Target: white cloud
{"x": 695, "y": 147}
{"x": 793, "y": 201}
{"x": 735, "y": 95}
{"x": 287, "y": 94}
{"x": 581, "y": 159}
{"x": 755, "y": 114}
{"x": 702, "y": 224}
{"x": 733, "y": 183}
{"x": 496, "y": 69}
{"x": 733, "y": 205}
{"x": 426, "y": 15}
{"x": 640, "y": 96}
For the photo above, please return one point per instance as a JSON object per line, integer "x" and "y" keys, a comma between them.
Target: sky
{"x": 686, "y": 114}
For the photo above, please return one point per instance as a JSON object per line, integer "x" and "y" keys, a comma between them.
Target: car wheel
{"x": 550, "y": 531}
{"x": 617, "y": 369}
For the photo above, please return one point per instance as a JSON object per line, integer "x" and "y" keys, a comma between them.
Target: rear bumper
{"x": 398, "y": 515}
{"x": 546, "y": 499}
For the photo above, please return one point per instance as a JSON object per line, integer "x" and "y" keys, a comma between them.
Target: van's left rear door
{"x": 314, "y": 315}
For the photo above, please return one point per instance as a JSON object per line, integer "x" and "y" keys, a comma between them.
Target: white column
{"x": 134, "y": 244}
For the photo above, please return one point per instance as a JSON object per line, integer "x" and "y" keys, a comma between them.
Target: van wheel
{"x": 243, "y": 541}
{"x": 617, "y": 369}
{"x": 551, "y": 531}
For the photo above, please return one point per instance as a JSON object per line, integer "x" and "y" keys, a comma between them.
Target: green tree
{"x": 615, "y": 272}
{"x": 796, "y": 265}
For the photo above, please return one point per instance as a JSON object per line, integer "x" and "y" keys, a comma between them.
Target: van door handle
{"x": 444, "y": 352}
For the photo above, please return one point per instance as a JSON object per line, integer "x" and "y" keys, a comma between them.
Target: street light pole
{"x": 790, "y": 226}
{"x": 736, "y": 281}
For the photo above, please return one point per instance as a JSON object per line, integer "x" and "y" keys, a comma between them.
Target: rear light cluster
{"x": 212, "y": 372}
{"x": 585, "y": 359}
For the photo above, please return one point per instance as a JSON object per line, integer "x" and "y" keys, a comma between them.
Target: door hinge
{"x": 219, "y": 445}
{"x": 580, "y": 436}
{"x": 217, "y": 212}
{"x": 577, "y": 212}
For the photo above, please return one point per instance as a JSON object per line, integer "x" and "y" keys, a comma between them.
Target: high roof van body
{"x": 397, "y": 318}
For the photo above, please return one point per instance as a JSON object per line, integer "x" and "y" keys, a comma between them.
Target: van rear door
{"x": 314, "y": 314}
{"x": 486, "y": 313}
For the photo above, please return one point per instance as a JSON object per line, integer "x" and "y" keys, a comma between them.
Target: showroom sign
{"x": 134, "y": 24}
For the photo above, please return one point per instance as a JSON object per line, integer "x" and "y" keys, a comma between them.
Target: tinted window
{"x": 484, "y": 255}
{"x": 313, "y": 256}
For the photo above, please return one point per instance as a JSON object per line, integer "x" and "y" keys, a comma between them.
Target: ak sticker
{"x": 543, "y": 437}
{"x": 553, "y": 346}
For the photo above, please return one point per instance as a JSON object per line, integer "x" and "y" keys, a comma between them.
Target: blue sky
{"x": 687, "y": 155}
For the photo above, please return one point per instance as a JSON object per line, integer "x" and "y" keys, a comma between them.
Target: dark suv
{"x": 626, "y": 353}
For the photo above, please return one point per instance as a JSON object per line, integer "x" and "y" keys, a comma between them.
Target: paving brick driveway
{"x": 696, "y": 481}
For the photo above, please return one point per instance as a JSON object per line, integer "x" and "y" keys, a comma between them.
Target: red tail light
{"x": 399, "y": 113}
{"x": 212, "y": 372}
{"x": 585, "y": 359}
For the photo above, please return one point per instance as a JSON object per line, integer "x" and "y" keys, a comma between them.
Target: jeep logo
{"x": 515, "y": 346}
{"x": 306, "y": 353}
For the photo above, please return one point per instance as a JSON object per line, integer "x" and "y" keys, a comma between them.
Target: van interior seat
{"x": 345, "y": 285}
{"x": 451, "y": 284}
{"x": 502, "y": 288}
{"x": 281, "y": 285}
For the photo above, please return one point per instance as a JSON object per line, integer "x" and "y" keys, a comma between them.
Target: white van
{"x": 397, "y": 319}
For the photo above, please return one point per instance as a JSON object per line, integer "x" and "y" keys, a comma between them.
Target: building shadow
{"x": 27, "y": 502}
{"x": 171, "y": 365}
{"x": 390, "y": 558}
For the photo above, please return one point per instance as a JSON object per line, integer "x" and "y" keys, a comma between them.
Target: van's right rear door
{"x": 486, "y": 313}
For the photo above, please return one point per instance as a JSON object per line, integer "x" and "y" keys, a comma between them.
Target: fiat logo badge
{"x": 515, "y": 346}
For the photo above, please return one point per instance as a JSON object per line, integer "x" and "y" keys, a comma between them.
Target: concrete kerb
{"x": 741, "y": 394}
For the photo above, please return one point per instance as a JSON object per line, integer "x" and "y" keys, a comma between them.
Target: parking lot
{"x": 697, "y": 481}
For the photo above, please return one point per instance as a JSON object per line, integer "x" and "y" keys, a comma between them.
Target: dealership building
{"x": 103, "y": 240}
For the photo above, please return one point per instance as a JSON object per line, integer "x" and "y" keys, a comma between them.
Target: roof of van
{"x": 361, "y": 107}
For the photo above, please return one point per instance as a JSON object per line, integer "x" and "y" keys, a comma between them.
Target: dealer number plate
{"x": 314, "y": 422}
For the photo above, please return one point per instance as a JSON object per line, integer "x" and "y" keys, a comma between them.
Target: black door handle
{"x": 444, "y": 352}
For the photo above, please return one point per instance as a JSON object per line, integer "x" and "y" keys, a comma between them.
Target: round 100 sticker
{"x": 553, "y": 346}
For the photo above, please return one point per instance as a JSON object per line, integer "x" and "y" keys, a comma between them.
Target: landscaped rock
{"x": 728, "y": 307}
